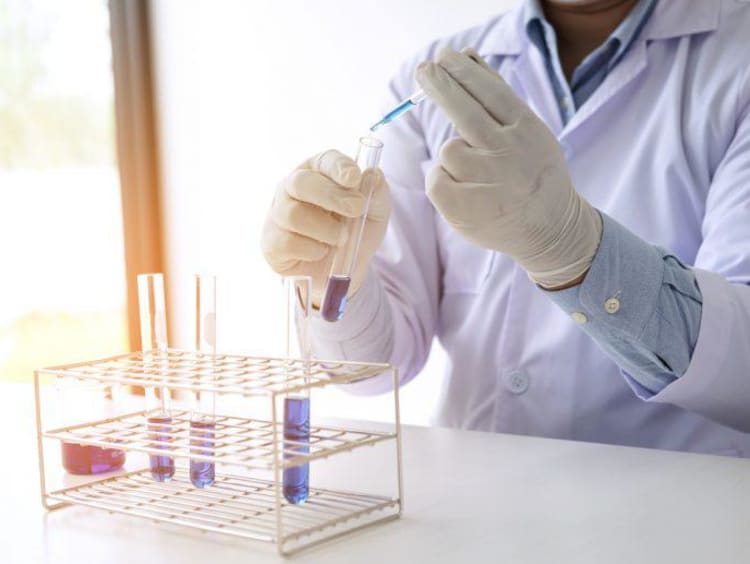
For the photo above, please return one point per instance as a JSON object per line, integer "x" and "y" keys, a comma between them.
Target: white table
{"x": 469, "y": 497}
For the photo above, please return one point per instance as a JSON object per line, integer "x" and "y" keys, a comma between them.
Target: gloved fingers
{"x": 471, "y": 164}
{"x": 314, "y": 188}
{"x": 306, "y": 219}
{"x": 471, "y": 119}
{"x": 458, "y": 202}
{"x": 336, "y": 166}
{"x": 282, "y": 248}
{"x": 484, "y": 84}
{"x": 477, "y": 58}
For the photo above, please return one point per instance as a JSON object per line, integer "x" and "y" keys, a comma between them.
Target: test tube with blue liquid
{"x": 344, "y": 259}
{"x": 296, "y": 479}
{"x": 153, "y": 317}
{"x": 203, "y": 417}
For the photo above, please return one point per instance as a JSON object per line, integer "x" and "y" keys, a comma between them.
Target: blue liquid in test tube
{"x": 296, "y": 480}
{"x": 202, "y": 473}
{"x": 162, "y": 466}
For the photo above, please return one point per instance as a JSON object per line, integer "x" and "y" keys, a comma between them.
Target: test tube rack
{"x": 238, "y": 503}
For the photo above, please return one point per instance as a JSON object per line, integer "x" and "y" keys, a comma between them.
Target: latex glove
{"x": 307, "y": 217}
{"x": 504, "y": 183}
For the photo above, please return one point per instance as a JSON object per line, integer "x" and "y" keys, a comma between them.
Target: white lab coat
{"x": 663, "y": 146}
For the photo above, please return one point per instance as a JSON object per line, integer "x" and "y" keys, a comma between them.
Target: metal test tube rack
{"x": 237, "y": 504}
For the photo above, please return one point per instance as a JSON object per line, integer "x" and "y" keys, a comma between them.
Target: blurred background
{"x": 148, "y": 136}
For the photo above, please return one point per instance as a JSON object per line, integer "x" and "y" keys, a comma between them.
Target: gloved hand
{"x": 504, "y": 183}
{"x": 305, "y": 224}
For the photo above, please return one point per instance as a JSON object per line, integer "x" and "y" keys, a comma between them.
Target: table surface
{"x": 469, "y": 497}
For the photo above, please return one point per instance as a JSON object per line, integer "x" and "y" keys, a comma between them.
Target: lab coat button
{"x": 517, "y": 382}
{"x": 612, "y": 305}
{"x": 579, "y": 317}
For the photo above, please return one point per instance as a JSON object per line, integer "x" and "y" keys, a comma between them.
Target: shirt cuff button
{"x": 579, "y": 317}
{"x": 612, "y": 305}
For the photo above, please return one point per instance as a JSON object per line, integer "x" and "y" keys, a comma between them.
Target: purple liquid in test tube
{"x": 344, "y": 259}
{"x": 203, "y": 417}
{"x": 334, "y": 301}
{"x": 162, "y": 466}
{"x": 296, "y": 480}
{"x": 154, "y": 344}
{"x": 202, "y": 473}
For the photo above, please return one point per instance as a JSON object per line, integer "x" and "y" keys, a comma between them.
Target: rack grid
{"x": 237, "y": 504}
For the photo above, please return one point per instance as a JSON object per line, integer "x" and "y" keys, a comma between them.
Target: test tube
{"x": 296, "y": 480}
{"x": 203, "y": 417}
{"x": 344, "y": 259}
{"x": 153, "y": 318}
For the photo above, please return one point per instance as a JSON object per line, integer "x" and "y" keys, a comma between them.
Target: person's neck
{"x": 582, "y": 25}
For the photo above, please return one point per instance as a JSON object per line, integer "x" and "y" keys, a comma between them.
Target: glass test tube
{"x": 296, "y": 480}
{"x": 344, "y": 259}
{"x": 203, "y": 417}
{"x": 153, "y": 318}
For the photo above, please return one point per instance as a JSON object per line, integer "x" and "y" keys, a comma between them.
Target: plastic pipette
{"x": 402, "y": 108}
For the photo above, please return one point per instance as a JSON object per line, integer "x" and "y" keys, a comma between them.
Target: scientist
{"x": 569, "y": 213}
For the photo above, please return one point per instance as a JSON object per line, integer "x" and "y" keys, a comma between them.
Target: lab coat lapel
{"x": 674, "y": 18}
{"x": 521, "y": 65}
{"x": 633, "y": 64}
{"x": 529, "y": 78}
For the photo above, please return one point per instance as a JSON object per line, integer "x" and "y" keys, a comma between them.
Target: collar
{"x": 675, "y": 18}
{"x": 506, "y": 34}
{"x": 615, "y": 44}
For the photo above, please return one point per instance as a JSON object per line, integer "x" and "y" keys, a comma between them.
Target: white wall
{"x": 247, "y": 90}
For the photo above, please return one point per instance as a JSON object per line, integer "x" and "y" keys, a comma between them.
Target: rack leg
{"x": 52, "y": 506}
{"x": 398, "y": 441}
{"x": 48, "y": 505}
{"x": 40, "y": 446}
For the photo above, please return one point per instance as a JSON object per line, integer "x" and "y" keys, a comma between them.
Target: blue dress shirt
{"x": 652, "y": 342}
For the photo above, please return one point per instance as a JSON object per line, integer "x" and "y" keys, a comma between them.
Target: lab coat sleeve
{"x": 392, "y": 318}
{"x": 716, "y": 381}
{"x": 649, "y": 323}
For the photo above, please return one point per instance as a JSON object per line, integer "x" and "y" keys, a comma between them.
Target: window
{"x": 246, "y": 91}
{"x": 62, "y": 291}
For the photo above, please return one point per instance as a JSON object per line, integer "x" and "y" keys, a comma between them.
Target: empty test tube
{"x": 345, "y": 258}
{"x": 203, "y": 417}
{"x": 296, "y": 479}
{"x": 153, "y": 319}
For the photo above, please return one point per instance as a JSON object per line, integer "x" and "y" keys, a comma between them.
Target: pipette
{"x": 402, "y": 108}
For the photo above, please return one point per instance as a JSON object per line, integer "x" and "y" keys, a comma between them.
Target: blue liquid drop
{"x": 202, "y": 473}
{"x": 296, "y": 480}
{"x": 162, "y": 467}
